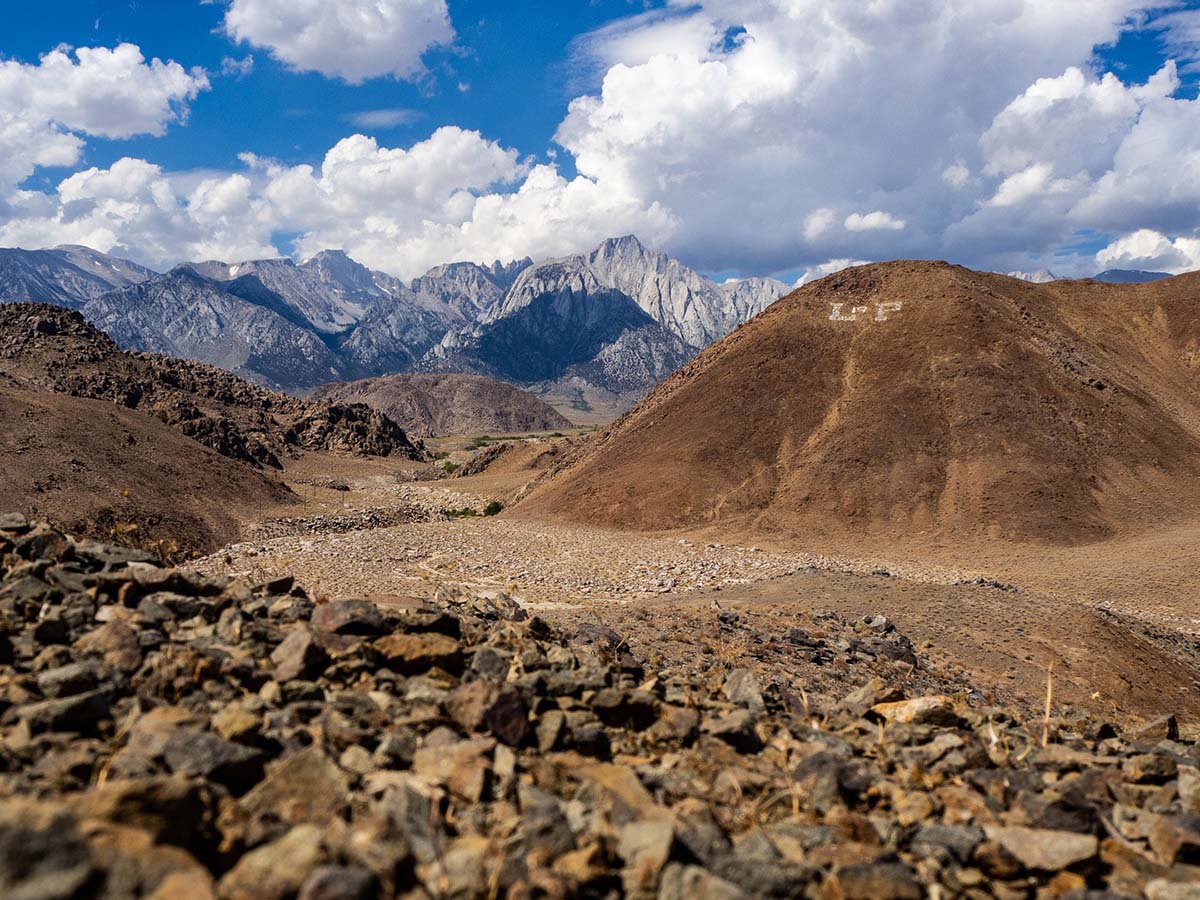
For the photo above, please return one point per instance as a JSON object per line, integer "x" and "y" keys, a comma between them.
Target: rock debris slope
{"x": 174, "y": 735}
{"x": 914, "y": 397}
{"x": 428, "y": 404}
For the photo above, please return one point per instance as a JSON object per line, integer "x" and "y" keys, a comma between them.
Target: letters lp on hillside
{"x": 882, "y": 310}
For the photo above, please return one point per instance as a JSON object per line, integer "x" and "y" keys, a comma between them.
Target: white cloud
{"x": 133, "y": 208}
{"x": 829, "y": 105}
{"x": 818, "y": 222}
{"x": 349, "y": 39}
{"x": 113, "y": 93}
{"x": 452, "y": 196}
{"x": 874, "y": 221}
{"x": 1151, "y": 250}
{"x": 404, "y": 211}
{"x": 238, "y": 69}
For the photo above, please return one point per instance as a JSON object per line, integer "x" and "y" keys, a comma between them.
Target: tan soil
{"x": 1115, "y": 654}
{"x": 101, "y": 471}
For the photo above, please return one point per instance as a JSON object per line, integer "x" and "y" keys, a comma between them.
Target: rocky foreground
{"x": 173, "y": 735}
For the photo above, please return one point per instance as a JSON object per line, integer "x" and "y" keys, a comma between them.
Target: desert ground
{"x": 1114, "y": 627}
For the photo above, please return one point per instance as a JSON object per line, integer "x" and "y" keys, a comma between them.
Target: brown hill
{"x": 47, "y": 349}
{"x": 101, "y": 471}
{"x": 942, "y": 401}
{"x": 429, "y": 405}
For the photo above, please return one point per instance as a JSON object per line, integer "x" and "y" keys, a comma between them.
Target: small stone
{"x": 172, "y": 810}
{"x": 237, "y": 723}
{"x": 42, "y": 856}
{"x": 1044, "y": 849}
{"x": 1151, "y": 768}
{"x": 357, "y": 759}
{"x": 1175, "y": 836}
{"x": 304, "y": 788}
{"x": 349, "y": 617}
{"x": 299, "y": 656}
{"x": 508, "y": 717}
{"x": 80, "y": 713}
{"x": 683, "y": 882}
{"x": 919, "y": 711}
{"x": 645, "y": 847}
{"x": 1162, "y": 889}
{"x": 636, "y": 710}
{"x": 68, "y": 680}
{"x": 464, "y": 767}
{"x": 873, "y": 693}
{"x": 741, "y": 688}
{"x": 13, "y": 523}
{"x": 202, "y": 754}
{"x": 958, "y": 840}
{"x": 413, "y": 654}
{"x": 736, "y": 729}
{"x": 277, "y": 870}
{"x": 1164, "y": 728}
{"x": 116, "y": 643}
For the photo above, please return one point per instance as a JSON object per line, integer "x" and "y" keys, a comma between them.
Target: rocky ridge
{"x": 639, "y": 316}
{"x": 67, "y": 276}
{"x": 170, "y": 734}
{"x": 47, "y": 348}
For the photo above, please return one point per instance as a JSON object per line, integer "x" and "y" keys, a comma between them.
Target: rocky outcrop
{"x": 171, "y": 734}
{"x": 50, "y": 349}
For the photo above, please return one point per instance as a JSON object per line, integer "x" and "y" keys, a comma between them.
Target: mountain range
{"x": 599, "y": 327}
{"x": 1108, "y": 276}
{"x": 615, "y": 321}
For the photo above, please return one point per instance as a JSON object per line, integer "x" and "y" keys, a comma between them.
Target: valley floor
{"x": 1116, "y": 627}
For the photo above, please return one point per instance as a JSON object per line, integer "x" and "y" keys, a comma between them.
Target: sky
{"x": 745, "y": 137}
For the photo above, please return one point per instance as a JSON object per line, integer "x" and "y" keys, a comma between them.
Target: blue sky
{"x": 744, "y": 136}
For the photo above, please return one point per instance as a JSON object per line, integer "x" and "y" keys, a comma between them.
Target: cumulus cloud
{"x": 113, "y": 93}
{"x": 1151, "y": 250}
{"x": 454, "y": 195}
{"x": 133, "y": 208}
{"x": 836, "y": 105}
{"x": 349, "y": 39}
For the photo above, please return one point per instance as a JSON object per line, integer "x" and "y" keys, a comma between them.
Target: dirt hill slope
{"x": 428, "y": 405}
{"x": 47, "y": 349}
{"x": 105, "y": 472}
{"x": 916, "y": 397}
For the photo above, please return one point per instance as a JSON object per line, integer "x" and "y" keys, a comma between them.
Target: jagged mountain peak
{"x": 629, "y": 243}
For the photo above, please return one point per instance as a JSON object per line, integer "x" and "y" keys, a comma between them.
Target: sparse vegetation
{"x": 495, "y": 507}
